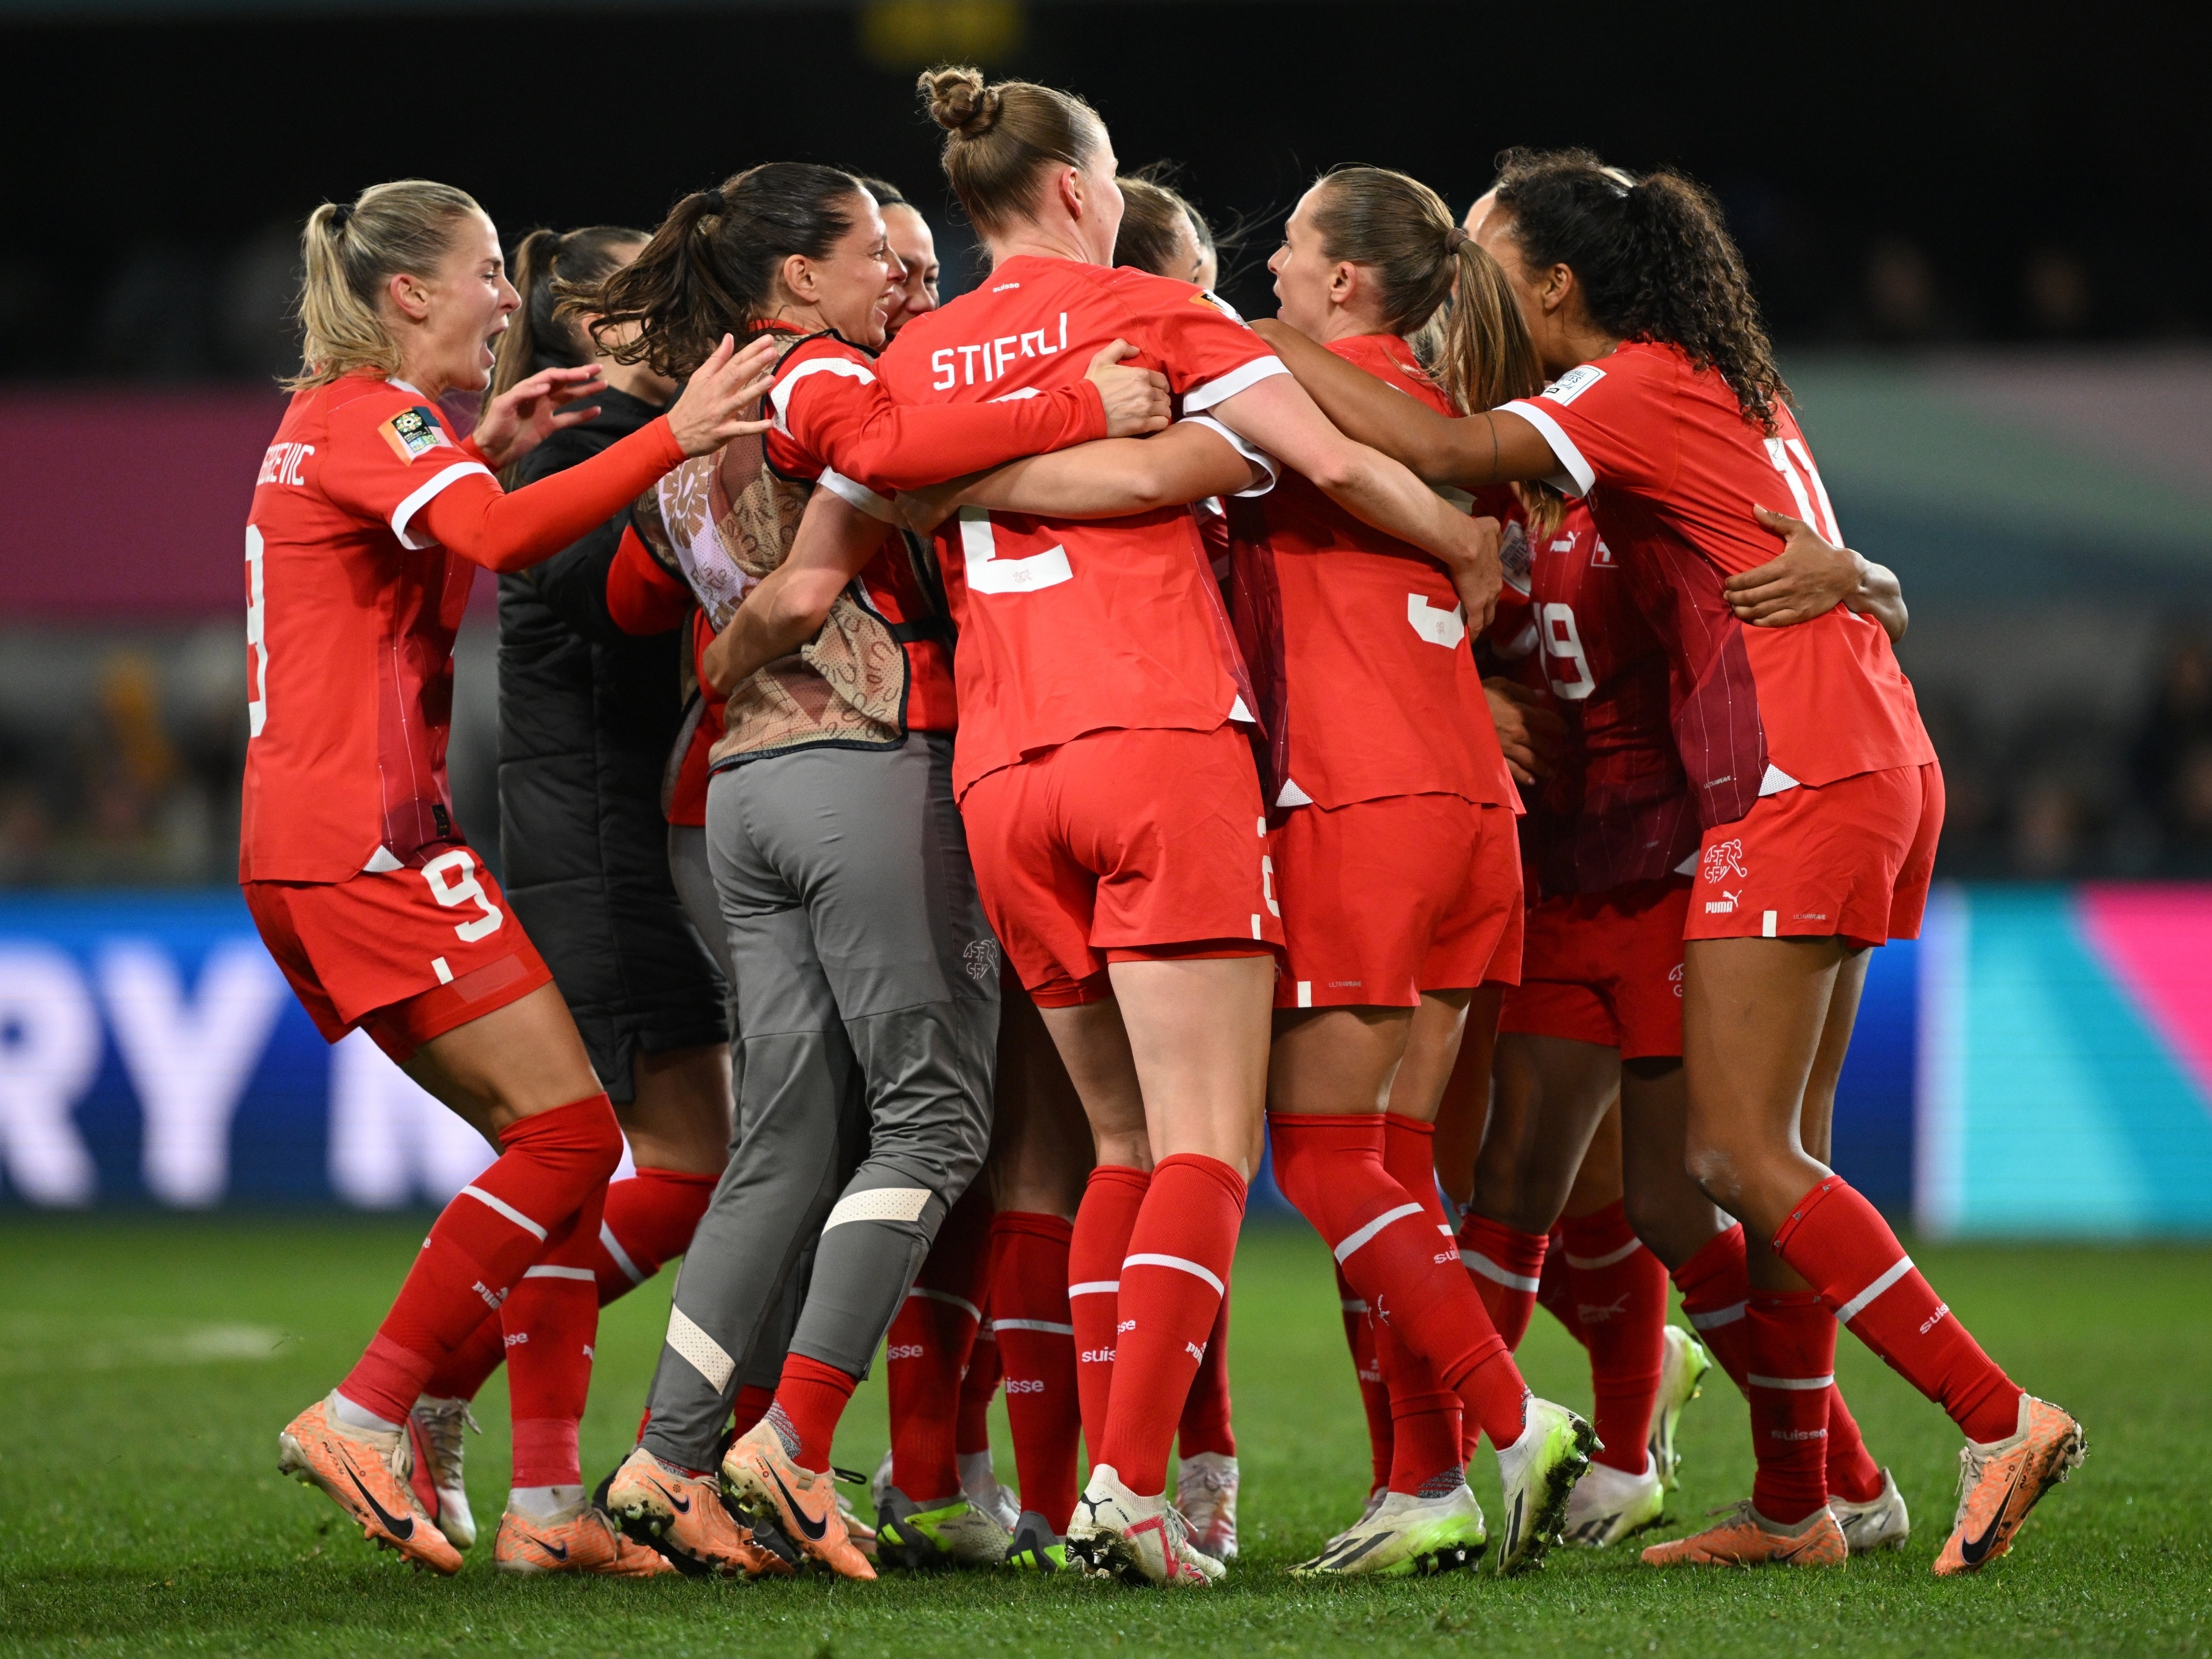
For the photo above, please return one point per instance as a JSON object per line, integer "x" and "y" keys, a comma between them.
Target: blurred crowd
{"x": 136, "y": 782}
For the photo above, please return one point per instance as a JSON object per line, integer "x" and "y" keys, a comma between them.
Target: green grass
{"x": 146, "y": 1367}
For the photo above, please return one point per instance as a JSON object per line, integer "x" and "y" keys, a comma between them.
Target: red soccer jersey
{"x": 1069, "y": 627}
{"x": 1673, "y": 470}
{"x": 351, "y": 616}
{"x": 1358, "y": 643}
{"x": 1618, "y": 809}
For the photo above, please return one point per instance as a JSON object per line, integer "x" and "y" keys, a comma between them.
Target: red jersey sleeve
{"x": 1205, "y": 349}
{"x": 835, "y": 417}
{"x": 1612, "y": 421}
{"x": 389, "y": 455}
{"x": 471, "y": 515}
{"x": 641, "y": 597}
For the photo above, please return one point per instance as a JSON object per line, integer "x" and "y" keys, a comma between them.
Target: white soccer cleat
{"x": 1608, "y": 1505}
{"x": 1205, "y": 1493}
{"x": 439, "y": 1426}
{"x": 979, "y": 1482}
{"x": 1681, "y": 1373}
{"x": 880, "y": 1482}
{"x": 1114, "y": 1533}
{"x": 1880, "y": 1523}
{"x": 1374, "y": 1500}
{"x": 1403, "y": 1536}
{"x": 1538, "y": 1473}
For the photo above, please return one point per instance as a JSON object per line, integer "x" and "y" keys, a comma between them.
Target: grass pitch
{"x": 146, "y": 1367}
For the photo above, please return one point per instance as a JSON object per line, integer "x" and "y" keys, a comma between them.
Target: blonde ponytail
{"x": 349, "y": 251}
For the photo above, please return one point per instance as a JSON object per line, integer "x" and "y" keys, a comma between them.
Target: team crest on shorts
{"x": 413, "y": 432}
{"x": 1724, "y": 859}
{"x": 981, "y": 956}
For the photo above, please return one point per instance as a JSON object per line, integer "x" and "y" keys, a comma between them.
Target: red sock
{"x": 1852, "y": 1472}
{"x": 810, "y": 1398}
{"x": 649, "y": 1219}
{"x": 500, "y": 1223}
{"x": 463, "y": 1373}
{"x": 1838, "y": 1244}
{"x": 1507, "y": 1267}
{"x": 1204, "y": 1424}
{"x": 1374, "y": 1393}
{"x": 979, "y": 1386}
{"x": 927, "y": 1349}
{"x": 1491, "y": 1391}
{"x": 1620, "y": 1299}
{"x": 1172, "y": 1282}
{"x": 753, "y": 1402}
{"x": 1715, "y": 1290}
{"x": 1553, "y": 1294}
{"x": 1793, "y": 1362}
{"x": 1037, "y": 1344}
{"x": 549, "y": 1324}
{"x": 1111, "y": 1199}
{"x": 1427, "y": 1454}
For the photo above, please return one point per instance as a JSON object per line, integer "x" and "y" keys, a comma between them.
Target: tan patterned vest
{"x": 721, "y": 522}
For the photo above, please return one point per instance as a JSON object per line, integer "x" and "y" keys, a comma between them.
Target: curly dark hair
{"x": 1653, "y": 258}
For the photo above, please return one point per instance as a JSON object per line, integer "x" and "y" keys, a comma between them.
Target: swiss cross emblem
{"x": 1724, "y": 859}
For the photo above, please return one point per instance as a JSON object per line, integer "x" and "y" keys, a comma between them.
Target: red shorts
{"x": 1385, "y": 899}
{"x": 1123, "y": 846}
{"x": 406, "y": 955}
{"x": 1853, "y": 857}
{"x": 1605, "y": 968}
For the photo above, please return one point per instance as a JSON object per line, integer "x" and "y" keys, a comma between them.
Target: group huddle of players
{"x": 1439, "y": 732}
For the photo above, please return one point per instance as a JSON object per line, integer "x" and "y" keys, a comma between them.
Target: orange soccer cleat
{"x": 764, "y": 1482}
{"x": 586, "y": 1542}
{"x": 686, "y": 1518}
{"x": 1999, "y": 1484}
{"x": 366, "y": 1473}
{"x": 1748, "y": 1538}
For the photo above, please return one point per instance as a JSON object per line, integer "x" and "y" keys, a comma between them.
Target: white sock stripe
{"x": 1446, "y": 1230}
{"x": 1852, "y": 1309}
{"x": 612, "y": 1246}
{"x": 1475, "y": 1262}
{"x": 879, "y": 1204}
{"x": 1592, "y": 1263}
{"x": 1032, "y": 1325}
{"x": 505, "y": 1209}
{"x": 1180, "y": 1264}
{"x": 1794, "y": 1384}
{"x": 1352, "y": 1304}
{"x": 1356, "y": 1239}
{"x": 704, "y": 1354}
{"x": 1095, "y": 1287}
{"x": 1719, "y": 1317}
{"x": 584, "y": 1273}
{"x": 950, "y": 1300}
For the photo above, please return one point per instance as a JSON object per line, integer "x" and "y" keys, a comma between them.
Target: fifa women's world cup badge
{"x": 413, "y": 432}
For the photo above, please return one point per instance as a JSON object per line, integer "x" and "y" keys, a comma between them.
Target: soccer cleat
{"x": 1366, "y": 1514}
{"x": 1404, "y": 1536}
{"x": 1880, "y": 1523}
{"x": 1538, "y": 1473}
{"x": 980, "y": 1481}
{"x": 2000, "y": 1483}
{"x": 1748, "y": 1538}
{"x": 366, "y": 1473}
{"x": 1681, "y": 1375}
{"x": 763, "y": 1482}
{"x": 1205, "y": 1493}
{"x": 1114, "y": 1533}
{"x": 879, "y": 1483}
{"x": 683, "y": 1515}
{"x": 587, "y": 1542}
{"x": 1608, "y": 1505}
{"x": 956, "y": 1533}
{"x": 435, "y": 1426}
{"x": 1035, "y": 1546}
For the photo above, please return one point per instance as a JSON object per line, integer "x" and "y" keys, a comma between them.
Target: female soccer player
{"x": 1812, "y": 774}
{"x": 866, "y": 976}
{"x": 1107, "y": 791}
{"x": 368, "y": 522}
{"x": 914, "y": 245}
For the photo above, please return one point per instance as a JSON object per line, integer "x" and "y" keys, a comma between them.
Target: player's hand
{"x": 1136, "y": 399}
{"x": 721, "y": 400}
{"x": 1475, "y": 572}
{"x": 1810, "y": 578}
{"x": 530, "y": 411}
{"x": 922, "y": 510}
{"x": 1529, "y": 730}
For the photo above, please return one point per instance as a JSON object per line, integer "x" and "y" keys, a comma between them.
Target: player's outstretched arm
{"x": 787, "y": 606}
{"x": 1110, "y": 479}
{"x": 1810, "y": 577}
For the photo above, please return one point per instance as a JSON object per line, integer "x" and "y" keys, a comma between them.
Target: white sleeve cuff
{"x": 856, "y": 494}
{"x": 403, "y": 514}
{"x": 1576, "y": 477}
{"x": 1240, "y": 379}
{"x": 1258, "y": 458}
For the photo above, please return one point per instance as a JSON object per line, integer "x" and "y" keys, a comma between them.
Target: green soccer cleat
{"x": 955, "y": 1533}
{"x": 1405, "y": 1536}
{"x": 1681, "y": 1376}
{"x": 1539, "y": 1472}
{"x": 1035, "y": 1546}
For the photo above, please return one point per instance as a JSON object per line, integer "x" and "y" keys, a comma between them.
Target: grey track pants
{"x": 869, "y": 982}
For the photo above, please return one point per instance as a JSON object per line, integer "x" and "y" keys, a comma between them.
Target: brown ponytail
{"x": 558, "y": 273}
{"x": 1000, "y": 139}
{"x": 350, "y": 251}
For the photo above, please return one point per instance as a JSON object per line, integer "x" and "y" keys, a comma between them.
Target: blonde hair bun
{"x": 959, "y": 102}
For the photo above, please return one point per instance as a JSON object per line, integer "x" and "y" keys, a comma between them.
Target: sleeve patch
{"x": 1208, "y": 297}
{"x": 413, "y": 433}
{"x": 1573, "y": 384}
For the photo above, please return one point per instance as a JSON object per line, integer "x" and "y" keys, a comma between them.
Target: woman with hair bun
{"x": 1814, "y": 780}
{"x": 1111, "y": 798}
{"x": 368, "y": 520}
